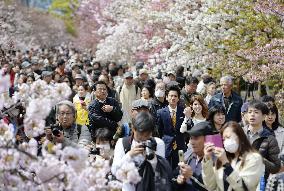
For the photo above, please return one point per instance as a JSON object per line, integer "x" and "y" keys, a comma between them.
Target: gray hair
{"x": 228, "y": 79}
{"x": 68, "y": 104}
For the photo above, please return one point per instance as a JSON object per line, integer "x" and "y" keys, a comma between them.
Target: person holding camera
{"x": 66, "y": 131}
{"x": 102, "y": 150}
{"x": 147, "y": 153}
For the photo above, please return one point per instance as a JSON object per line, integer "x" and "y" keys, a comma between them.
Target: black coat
{"x": 99, "y": 119}
{"x": 267, "y": 146}
{"x": 234, "y": 110}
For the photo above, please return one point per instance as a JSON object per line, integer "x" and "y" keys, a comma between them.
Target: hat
{"x": 143, "y": 71}
{"x": 26, "y": 64}
{"x": 202, "y": 129}
{"x": 244, "y": 107}
{"x": 171, "y": 73}
{"x": 79, "y": 76}
{"x": 128, "y": 75}
{"x": 138, "y": 104}
{"x": 46, "y": 73}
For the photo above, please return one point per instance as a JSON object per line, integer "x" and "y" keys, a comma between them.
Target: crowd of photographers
{"x": 184, "y": 130}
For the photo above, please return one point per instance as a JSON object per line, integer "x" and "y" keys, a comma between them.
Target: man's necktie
{"x": 174, "y": 121}
{"x": 174, "y": 118}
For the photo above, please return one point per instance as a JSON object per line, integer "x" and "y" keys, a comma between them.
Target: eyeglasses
{"x": 67, "y": 114}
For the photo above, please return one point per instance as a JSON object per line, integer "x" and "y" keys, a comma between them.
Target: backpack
{"x": 126, "y": 142}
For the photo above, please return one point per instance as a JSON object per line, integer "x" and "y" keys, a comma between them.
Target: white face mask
{"x": 159, "y": 93}
{"x": 231, "y": 145}
{"x": 103, "y": 146}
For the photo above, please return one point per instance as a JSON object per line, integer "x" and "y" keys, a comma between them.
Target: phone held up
{"x": 215, "y": 139}
{"x": 180, "y": 156}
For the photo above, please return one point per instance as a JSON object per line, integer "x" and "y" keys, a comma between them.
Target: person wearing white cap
{"x": 128, "y": 92}
{"x": 143, "y": 77}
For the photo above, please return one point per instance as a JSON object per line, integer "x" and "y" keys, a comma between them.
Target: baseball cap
{"x": 202, "y": 129}
{"x": 138, "y": 104}
{"x": 128, "y": 75}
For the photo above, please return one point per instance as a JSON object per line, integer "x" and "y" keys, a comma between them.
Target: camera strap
{"x": 126, "y": 142}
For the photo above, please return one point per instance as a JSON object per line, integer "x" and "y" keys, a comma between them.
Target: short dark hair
{"x": 97, "y": 83}
{"x": 191, "y": 80}
{"x": 150, "y": 89}
{"x": 103, "y": 134}
{"x": 259, "y": 106}
{"x": 267, "y": 98}
{"x": 85, "y": 86}
{"x": 174, "y": 88}
{"x": 213, "y": 110}
{"x": 143, "y": 122}
{"x": 60, "y": 62}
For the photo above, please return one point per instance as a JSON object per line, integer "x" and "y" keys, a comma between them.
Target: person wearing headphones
{"x": 66, "y": 131}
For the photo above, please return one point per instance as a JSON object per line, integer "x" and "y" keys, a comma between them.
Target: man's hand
{"x": 136, "y": 150}
{"x": 180, "y": 179}
{"x": 59, "y": 138}
{"x": 107, "y": 108}
{"x": 208, "y": 150}
{"x": 48, "y": 133}
{"x": 185, "y": 170}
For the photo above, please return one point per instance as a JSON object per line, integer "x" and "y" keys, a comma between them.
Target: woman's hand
{"x": 208, "y": 150}
{"x": 221, "y": 155}
{"x": 187, "y": 112}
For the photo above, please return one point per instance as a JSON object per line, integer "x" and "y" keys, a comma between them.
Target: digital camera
{"x": 150, "y": 148}
{"x": 56, "y": 129}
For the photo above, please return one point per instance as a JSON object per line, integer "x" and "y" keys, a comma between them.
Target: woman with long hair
{"x": 216, "y": 116}
{"x": 195, "y": 113}
{"x": 238, "y": 167}
{"x": 271, "y": 122}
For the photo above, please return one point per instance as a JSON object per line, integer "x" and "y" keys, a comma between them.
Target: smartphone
{"x": 215, "y": 139}
{"x": 83, "y": 103}
{"x": 180, "y": 156}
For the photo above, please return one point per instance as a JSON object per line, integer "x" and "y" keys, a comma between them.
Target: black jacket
{"x": 99, "y": 119}
{"x": 155, "y": 105}
{"x": 267, "y": 146}
{"x": 234, "y": 109}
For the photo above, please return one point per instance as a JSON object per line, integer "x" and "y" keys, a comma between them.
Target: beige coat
{"x": 250, "y": 173}
{"x": 127, "y": 96}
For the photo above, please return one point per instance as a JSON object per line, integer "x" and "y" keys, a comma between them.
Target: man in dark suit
{"x": 104, "y": 112}
{"x": 169, "y": 120}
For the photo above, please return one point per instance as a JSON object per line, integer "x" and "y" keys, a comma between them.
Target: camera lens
{"x": 150, "y": 148}
{"x": 56, "y": 132}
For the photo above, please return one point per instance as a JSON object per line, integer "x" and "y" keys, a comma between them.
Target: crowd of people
{"x": 184, "y": 130}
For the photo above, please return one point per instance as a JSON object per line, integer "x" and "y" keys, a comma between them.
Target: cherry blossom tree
{"x": 58, "y": 168}
{"x": 24, "y": 28}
